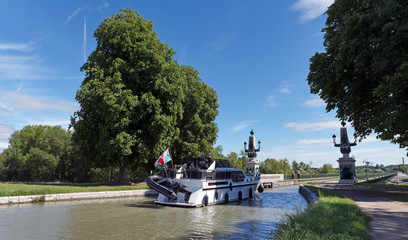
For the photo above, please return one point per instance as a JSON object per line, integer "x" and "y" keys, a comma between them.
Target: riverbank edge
{"x": 76, "y": 196}
{"x": 310, "y": 196}
{"x": 93, "y": 195}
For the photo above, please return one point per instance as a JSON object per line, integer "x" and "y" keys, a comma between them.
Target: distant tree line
{"x": 271, "y": 165}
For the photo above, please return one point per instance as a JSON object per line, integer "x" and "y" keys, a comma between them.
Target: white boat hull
{"x": 210, "y": 192}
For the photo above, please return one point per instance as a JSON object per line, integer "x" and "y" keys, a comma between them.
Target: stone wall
{"x": 76, "y": 196}
{"x": 307, "y": 194}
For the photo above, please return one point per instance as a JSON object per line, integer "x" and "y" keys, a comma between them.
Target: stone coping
{"x": 76, "y": 196}
{"x": 307, "y": 194}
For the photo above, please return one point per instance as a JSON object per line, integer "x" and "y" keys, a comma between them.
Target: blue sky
{"x": 255, "y": 54}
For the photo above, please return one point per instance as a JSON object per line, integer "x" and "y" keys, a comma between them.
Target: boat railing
{"x": 169, "y": 173}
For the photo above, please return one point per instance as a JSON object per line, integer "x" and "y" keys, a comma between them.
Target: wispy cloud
{"x": 17, "y": 101}
{"x": 313, "y": 126}
{"x": 21, "y": 47}
{"x": 322, "y": 141}
{"x": 270, "y": 101}
{"x": 315, "y": 102}
{"x": 5, "y": 132}
{"x": 102, "y": 6}
{"x": 84, "y": 43}
{"x": 311, "y": 9}
{"x": 220, "y": 44}
{"x": 70, "y": 17}
{"x": 285, "y": 88}
{"x": 242, "y": 125}
{"x": 21, "y": 68}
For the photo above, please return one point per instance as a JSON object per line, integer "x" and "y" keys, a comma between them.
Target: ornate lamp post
{"x": 346, "y": 163}
{"x": 252, "y": 165}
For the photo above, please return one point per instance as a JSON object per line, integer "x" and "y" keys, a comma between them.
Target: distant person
{"x": 298, "y": 174}
{"x": 293, "y": 175}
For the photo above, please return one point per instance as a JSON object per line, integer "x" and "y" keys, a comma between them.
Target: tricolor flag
{"x": 163, "y": 159}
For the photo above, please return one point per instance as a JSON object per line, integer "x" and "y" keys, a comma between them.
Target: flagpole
{"x": 171, "y": 159}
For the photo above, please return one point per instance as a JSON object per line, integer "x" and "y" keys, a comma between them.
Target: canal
{"x": 139, "y": 218}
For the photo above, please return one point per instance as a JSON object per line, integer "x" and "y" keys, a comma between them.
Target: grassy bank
{"x": 23, "y": 189}
{"x": 334, "y": 216}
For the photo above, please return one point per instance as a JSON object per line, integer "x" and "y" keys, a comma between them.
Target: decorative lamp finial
{"x": 252, "y": 132}
{"x": 343, "y": 123}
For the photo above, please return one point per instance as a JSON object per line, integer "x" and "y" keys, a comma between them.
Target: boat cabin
{"x": 207, "y": 168}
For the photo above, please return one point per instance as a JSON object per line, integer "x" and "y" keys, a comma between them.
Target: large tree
{"x": 136, "y": 101}
{"x": 197, "y": 129}
{"x": 363, "y": 74}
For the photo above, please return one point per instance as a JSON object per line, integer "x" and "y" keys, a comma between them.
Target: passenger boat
{"x": 203, "y": 181}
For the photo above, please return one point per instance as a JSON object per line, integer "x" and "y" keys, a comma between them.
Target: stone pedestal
{"x": 347, "y": 170}
{"x": 252, "y": 166}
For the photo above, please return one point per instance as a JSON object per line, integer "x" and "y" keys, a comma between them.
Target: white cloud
{"x": 21, "y": 47}
{"x": 102, "y": 6}
{"x": 21, "y": 68}
{"x": 311, "y": 9}
{"x": 285, "y": 90}
{"x": 51, "y": 122}
{"x": 24, "y": 102}
{"x": 5, "y": 132}
{"x": 322, "y": 141}
{"x": 313, "y": 126}
{"x": 241, "y": 125}
{"x": 70, "y": 17}
{"x": 315, "y": 102}
{"x": 84, "y": 42}
{"x": 270, "y": 101}
{"x": 220, "y": 44}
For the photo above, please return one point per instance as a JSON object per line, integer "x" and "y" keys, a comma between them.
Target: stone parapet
{"x": 307, "y": 194}
{"x": 75, "y": 196}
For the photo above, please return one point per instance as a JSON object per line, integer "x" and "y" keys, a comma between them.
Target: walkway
{"x": 389, "y": 217}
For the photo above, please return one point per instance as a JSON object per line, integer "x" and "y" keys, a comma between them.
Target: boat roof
{"x": 204, "y": 162}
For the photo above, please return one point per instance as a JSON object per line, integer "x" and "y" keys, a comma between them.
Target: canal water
{"x": 139, "y": 218}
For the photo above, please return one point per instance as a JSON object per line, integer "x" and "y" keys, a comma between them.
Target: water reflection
{"x": 139, "y": 218}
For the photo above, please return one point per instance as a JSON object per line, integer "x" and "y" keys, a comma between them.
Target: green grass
{"x": 334, "y": 216}
{"x": 22, "y": 189}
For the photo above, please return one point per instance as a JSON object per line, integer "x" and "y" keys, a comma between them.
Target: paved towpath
{"x": 389, "y": 217}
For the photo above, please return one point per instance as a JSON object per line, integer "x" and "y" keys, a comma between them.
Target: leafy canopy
{"x": 35, "y": 153}
{"x": 136, "y": 100}
{"x": 364, "y": 72}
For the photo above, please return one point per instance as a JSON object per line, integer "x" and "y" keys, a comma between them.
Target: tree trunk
{"x": 122, "y": 179}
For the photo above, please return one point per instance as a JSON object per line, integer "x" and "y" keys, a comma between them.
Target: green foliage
{"x": 217, "y": 152}
{"x": 238, "y": 161}
{"x": 273, "y": 166}
{"x": 131, "y": 96}
{"x": 326, "y": 168}
{"x": 197, "y": 130}
{"x": 136, "y": 101}
{"x": 41, "y": 165}
{"x": 301, "y": 167}
{"x": 363, "y": 72}
{"x": 334, "y": 216}
{"x": 34, "y": 154}
{"x": 403, "y": 168}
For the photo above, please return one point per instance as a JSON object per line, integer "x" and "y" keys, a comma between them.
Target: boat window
{"x": 221, "y": 163}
